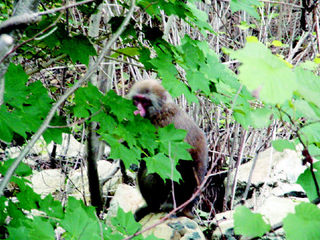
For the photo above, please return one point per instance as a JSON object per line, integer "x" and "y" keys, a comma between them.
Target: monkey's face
{"x": 149, "y": 97}
{"x": 143, "y": 103}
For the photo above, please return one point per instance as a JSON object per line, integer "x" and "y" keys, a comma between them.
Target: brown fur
{"x": 161, "y": 111}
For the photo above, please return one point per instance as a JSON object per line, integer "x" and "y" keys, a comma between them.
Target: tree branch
{"x": 20, "y": 21}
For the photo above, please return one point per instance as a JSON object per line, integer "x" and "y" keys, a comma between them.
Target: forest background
{"x": 246, "y": 71}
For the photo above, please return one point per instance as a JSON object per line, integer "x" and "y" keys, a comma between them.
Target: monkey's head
{"x": 149, "y": 97}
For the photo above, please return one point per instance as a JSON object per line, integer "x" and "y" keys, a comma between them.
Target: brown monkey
{"x": 155, "y": 103}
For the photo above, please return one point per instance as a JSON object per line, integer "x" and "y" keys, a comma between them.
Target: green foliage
{"x": 125, "y": 223}
{"x": 309, "y": 86}
{"x": 265, "y": 76}
{"x": 78, "y": 48}
{"x": 304, "y": 223}
{"x": 307, "y": 182}
{"x": 25, "y": 107}
{"x": 77, "y": 220}
{"x": 248, "y": 223}
{"x": 22, "y": 170}
{"x": 282, "y": 144}
{"x": 246, "y": 5}
{"x": 15, "y": 88}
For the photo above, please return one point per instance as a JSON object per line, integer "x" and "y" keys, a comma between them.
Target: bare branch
{"x": 22, "y": 20}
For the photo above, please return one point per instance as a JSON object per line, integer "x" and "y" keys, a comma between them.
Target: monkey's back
{"x": 154, "y": 190}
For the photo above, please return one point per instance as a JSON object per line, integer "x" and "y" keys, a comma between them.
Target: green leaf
{"x": 55, "y": 134}
{"x": 198, "y": 81}
{"x": 3, "y": 214}
{"x": 307, "y": 183}
{"x": 282, "y": 144}
{"x": 128, "y": 51}
{"x": 80, "y": 221}
{"x": 304, "y": 108}
{"x": 265, "y": 73}
{"x": 5, "y": 133}
{"x": 144, "y": 134}
{"x": 249, "y": 224}
{"x": 14, "y": 121}
{"x": 87, "y": 101}
{"x": 260, "y": 117}
{"x": 200, "y": 18}
{"x": 164, "y": 65}
{"x": 308, "y": 85}
{"x": 16, "y": 214}
{"x": 51, "y": 207}
{"x": 41, "y": 229}
{"x": 119, "y": 151}
{"x": 151, "y": 9}
{"x": 20, "y": 233}
{"x": 28, "y": 199}
{"x": 125, "y": 223}
{"x": 246, "y": 5}
{"x": 122, "y": 108}
{"x": 314, "y": 151}
{"x": 242, "y": 117}
{"x": 277, "y": 43}
{"x": 22, "y": 169}
{"x": 107, "y": 122}
{"x": 15, "y": 85}
{"x": 78, "y": 48}
{"x": 164, "y": 166}
{"x": 304, "y": 223}
{"x": 170, "y": 133}
{"x": 177, "y": 88}
{"x": 311, "y": 133}
{"x": 172, "y": 143}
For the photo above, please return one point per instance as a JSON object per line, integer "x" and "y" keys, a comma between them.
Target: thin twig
{"x": 30, "y": 39}
{"x": 23, "y": 19}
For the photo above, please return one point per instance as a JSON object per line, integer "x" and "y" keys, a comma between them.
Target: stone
{"x": 47, "y": 181}
{"x": 272, "y": 167}
{"x": 126, "y": 197}
{"x": 175, "y": 228}
{"x": 275, "y": 209}
{"x": 224, "y": 222}
{"x": 70, "y": 147}
{"x": 78, "y": 186}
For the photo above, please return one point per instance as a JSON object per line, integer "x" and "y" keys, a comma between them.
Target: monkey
{"x": 156, "y": 104}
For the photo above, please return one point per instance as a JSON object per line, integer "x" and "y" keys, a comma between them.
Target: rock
{"x": 275, "y": 209}
{"x": 282, "y": 166}
{"x": 13, "y": 152}
{"x": 47, "y": 181}
{"x": 70, "y": 147}
{"x": 78, "y": 185}
{"x": 126, "y": 197}
{"x": 286, "y": 189}
{"x": 224, "y": 222}
{"x": 288, "y": 166}
{"x": 40, "y": 149}
{"x": 181, "y": 228}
